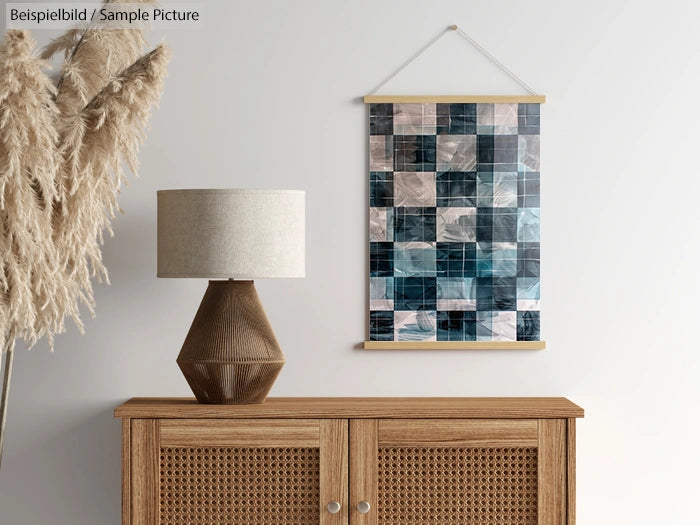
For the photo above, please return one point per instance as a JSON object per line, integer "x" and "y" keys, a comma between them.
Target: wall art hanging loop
{"x": 469, "y": 39}
{"x": 454, "y": 219}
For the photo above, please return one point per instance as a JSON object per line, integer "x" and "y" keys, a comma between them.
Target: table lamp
{"x": 231, "y": 354}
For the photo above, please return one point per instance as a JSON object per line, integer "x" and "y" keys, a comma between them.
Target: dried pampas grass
{"x": 107, "y": 131}
{"x": 61, "y": 154}
{"x": 35, "y": 293}
{"x": 61, "y": 151}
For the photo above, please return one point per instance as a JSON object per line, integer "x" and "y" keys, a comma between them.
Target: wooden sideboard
{"x": 349, "y": 461}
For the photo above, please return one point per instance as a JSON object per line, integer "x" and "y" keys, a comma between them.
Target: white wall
{"x": 268, "y": 96}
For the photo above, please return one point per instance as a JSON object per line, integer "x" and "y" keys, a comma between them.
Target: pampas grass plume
{"x": 61, "y": 154}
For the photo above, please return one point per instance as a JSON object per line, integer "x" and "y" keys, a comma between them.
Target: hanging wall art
{"x": 454, "y": 221}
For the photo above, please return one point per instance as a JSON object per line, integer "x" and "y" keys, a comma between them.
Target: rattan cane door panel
{"x": 457, "y": 486}
{"x": 241, "y": 486}
{"x": 446, "y": 472}
{"x": 225, "y": 475}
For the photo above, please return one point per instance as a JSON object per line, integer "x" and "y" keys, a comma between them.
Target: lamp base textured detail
{"x": 230, "y": 355}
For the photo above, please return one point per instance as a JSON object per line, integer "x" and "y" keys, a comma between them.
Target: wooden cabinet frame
{"x": 349, "y": 443}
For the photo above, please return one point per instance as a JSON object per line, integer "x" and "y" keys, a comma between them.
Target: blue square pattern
{"x": 460, "y": 261}
{"x": 455, "y": 259}
{"x": 381, "y": 326}
{"x": 415, "y": 293}
{"x": 456, "y": 189}
{"x": 415, "y": 225}
{"x": 381, "y": 189}
{"x": 414, "y": 259}
{"x": 456, "y": 326}
{"x": 456, "y": 119}
{"x": 456, "y": 288}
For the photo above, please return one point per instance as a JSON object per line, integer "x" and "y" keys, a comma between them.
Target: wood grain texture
{"x": 457, "y": 432}
{"x": 126, "y": 471}
{"x": 145, "y": 460}
{"x": 363, "y": 470}
{"x": 428, "y": 99}
{"x": 334, "y": 470}
{"x": 454, "y": 345}
{"x": 349, "y": 440}
{"x": 357, "y": 407}
{"x": 239, "y": 433}
{"x": 571, "y": 470}
{"x": 552, "y": 468}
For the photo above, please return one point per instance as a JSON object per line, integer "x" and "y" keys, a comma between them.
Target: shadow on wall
{"x": 130, "y": 256}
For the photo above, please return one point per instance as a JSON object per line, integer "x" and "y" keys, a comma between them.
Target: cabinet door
{"x": 458, "y": 472}
{"x": 238, "y": 471}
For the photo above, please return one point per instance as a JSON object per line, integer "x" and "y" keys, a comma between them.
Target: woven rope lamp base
{"x": 230, "y": 355}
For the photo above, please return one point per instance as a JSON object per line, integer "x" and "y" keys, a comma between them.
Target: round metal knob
{"x": 363, "y": 507}
{"x": 333, "y": 507}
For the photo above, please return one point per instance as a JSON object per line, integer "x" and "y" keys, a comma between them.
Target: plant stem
{"x": 5, "y": 393}
{"x": 59, "y": 84}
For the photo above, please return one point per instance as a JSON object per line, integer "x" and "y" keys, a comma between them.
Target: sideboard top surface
{"x": 355, "y": 407}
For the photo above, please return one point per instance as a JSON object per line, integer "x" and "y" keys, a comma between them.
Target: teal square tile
{"x": 415, "y": 326}
{"x": 529, "y": 225}
{"x": 414, "y": 259}
{"x": 528, "y": 288}
{"x": 505, "y": 190}
{"x": 505, "y": 268}
{"x": 381, "y": 288}
{"x": 456, "y": 288}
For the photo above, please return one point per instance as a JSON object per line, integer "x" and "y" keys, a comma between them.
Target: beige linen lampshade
{"x": 231, "y": 354}
{"x": 231, "y": 233}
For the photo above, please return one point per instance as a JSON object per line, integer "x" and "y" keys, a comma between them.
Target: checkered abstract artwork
{"x": 454, "y": 222}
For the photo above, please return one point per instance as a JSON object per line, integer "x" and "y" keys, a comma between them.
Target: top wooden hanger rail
{"x": 454, "y": 99}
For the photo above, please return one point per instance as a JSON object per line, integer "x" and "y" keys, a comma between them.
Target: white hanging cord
{"x": 493, "y": 59}
{"x": 472, "y": 42}
{"x": 408, "y": 62}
